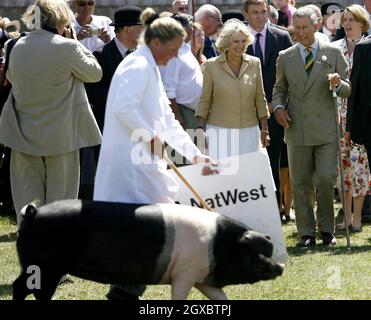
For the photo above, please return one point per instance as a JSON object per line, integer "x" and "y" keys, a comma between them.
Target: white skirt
{"x": 228, "y": 142}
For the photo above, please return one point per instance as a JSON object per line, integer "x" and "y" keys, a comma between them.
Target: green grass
{"x": 320, "y": 273}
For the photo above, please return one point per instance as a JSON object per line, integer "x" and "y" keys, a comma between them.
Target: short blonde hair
{"x": 164, "y": 28}
{"x": 360, "y": 15}
{"x": 229, "y": 28}
{"x": 50, "y": 14}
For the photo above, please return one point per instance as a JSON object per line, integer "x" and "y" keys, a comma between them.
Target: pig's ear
{"x": 258, "y": 243}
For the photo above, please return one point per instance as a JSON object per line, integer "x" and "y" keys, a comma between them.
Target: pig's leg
{"x": 49, "y": 283}
{"x": 212, "y": 293}
{"x": 180, "y": 288}
{"x": 20, "y": 290}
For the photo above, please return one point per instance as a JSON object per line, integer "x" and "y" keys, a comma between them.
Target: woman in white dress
{"x": 233, "y": 102}
{"x": 138, "y": 116}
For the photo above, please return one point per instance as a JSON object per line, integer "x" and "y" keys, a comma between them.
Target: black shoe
{"x": 117, "y": 294}
{"x": 306, "y": 241}
{"x": 328, "y": 238}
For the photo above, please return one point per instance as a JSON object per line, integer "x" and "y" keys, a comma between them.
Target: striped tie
{"x": 308, "y": 61}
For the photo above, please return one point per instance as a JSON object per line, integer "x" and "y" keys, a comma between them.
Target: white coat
{"x": 137, "y": 106}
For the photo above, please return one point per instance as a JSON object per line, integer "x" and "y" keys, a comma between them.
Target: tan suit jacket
{"x": 311, "y": 105}
{"x": 230, "y": 101}
{"x": 311, "y": 136}
{"x": 50, "y": 114}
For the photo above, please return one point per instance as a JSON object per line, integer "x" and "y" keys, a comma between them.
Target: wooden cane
{"x": 345, "y": 203}
{"x": 186, "y": 182}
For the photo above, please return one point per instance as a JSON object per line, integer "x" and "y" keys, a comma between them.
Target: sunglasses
{"x": 84, "y": 3}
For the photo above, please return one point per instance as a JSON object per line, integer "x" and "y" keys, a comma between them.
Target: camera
{"x": 94, "y": 32}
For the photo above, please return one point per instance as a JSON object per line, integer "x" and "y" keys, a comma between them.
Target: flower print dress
{"x": 357, "y": 178}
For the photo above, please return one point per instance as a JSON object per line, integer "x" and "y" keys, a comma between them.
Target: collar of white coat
{"x": 145, "y": 51}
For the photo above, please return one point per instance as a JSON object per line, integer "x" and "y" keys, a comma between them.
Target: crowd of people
{"x": 262, "y": 78}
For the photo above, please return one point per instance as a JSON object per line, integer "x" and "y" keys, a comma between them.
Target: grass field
{"x": 321, "y": 273}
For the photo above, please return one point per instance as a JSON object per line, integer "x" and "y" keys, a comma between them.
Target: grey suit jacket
{"x": 311, "y": 105}
{"x": 50, "y": 113}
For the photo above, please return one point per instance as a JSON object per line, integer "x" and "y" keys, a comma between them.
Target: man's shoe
{"x": 306, "y": 241}
{"x": 328, "y": 238}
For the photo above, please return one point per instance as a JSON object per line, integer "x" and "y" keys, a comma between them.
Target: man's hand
{"x": 105, "y": 36}
{"x": 84, "y": 33}
{"x": 282, "y": 117}
{"x": 207, "y": 169}
{"x": 334, "y": 80}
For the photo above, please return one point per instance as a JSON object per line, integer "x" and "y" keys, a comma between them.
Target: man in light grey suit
{"x": 305, "y": 73}
{"x": 47, "y": 117}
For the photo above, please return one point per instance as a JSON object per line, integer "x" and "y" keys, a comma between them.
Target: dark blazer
{"x": 276, "y": 41}
{"x": 359, "y": 102}
{"x": 209, "y": 49}
{"x": 109, "y": 57}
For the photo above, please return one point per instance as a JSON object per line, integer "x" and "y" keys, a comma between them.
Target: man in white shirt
{"x": 92, "y": 31}
{"x": 182, "y": 78}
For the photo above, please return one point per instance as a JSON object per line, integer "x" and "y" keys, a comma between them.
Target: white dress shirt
{"x": 182, "y": 78}
{"x": 123, "y": 50}
{"x": 93, "y": 43}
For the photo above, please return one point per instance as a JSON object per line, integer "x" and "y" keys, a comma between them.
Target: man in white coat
{"x": 138, "y": 116}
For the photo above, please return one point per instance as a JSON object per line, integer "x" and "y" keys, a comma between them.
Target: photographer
{"x": 92, "y": 31}
{"x": 47, "y": 118}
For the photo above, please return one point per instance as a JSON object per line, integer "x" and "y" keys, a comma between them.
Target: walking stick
{"x": 341, "y": 169}
{"x": 186, "y": 182}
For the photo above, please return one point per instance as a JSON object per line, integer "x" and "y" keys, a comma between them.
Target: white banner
{"x": 244, "y": 191}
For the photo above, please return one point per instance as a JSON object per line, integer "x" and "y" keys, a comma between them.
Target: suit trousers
{"x": 274, "y": 152}
{"x": 45, "y": 179}
{"x": 188, "y": 116}
{"x": 313, "y": 168}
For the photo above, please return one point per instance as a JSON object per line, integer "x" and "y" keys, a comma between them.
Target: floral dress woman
{"x": 357, "y": 178}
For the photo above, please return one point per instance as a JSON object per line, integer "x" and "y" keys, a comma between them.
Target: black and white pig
{"x": 139, "y": 244}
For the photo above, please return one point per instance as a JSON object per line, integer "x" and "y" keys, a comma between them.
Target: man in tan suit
{"x": 304, "y": 74}
{"x": 47, "y": 117}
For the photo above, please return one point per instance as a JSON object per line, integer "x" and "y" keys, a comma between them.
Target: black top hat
{"x": 127, "y": 16}
{"x": 325, "y": 8}
{"x": 230, "y": 14}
